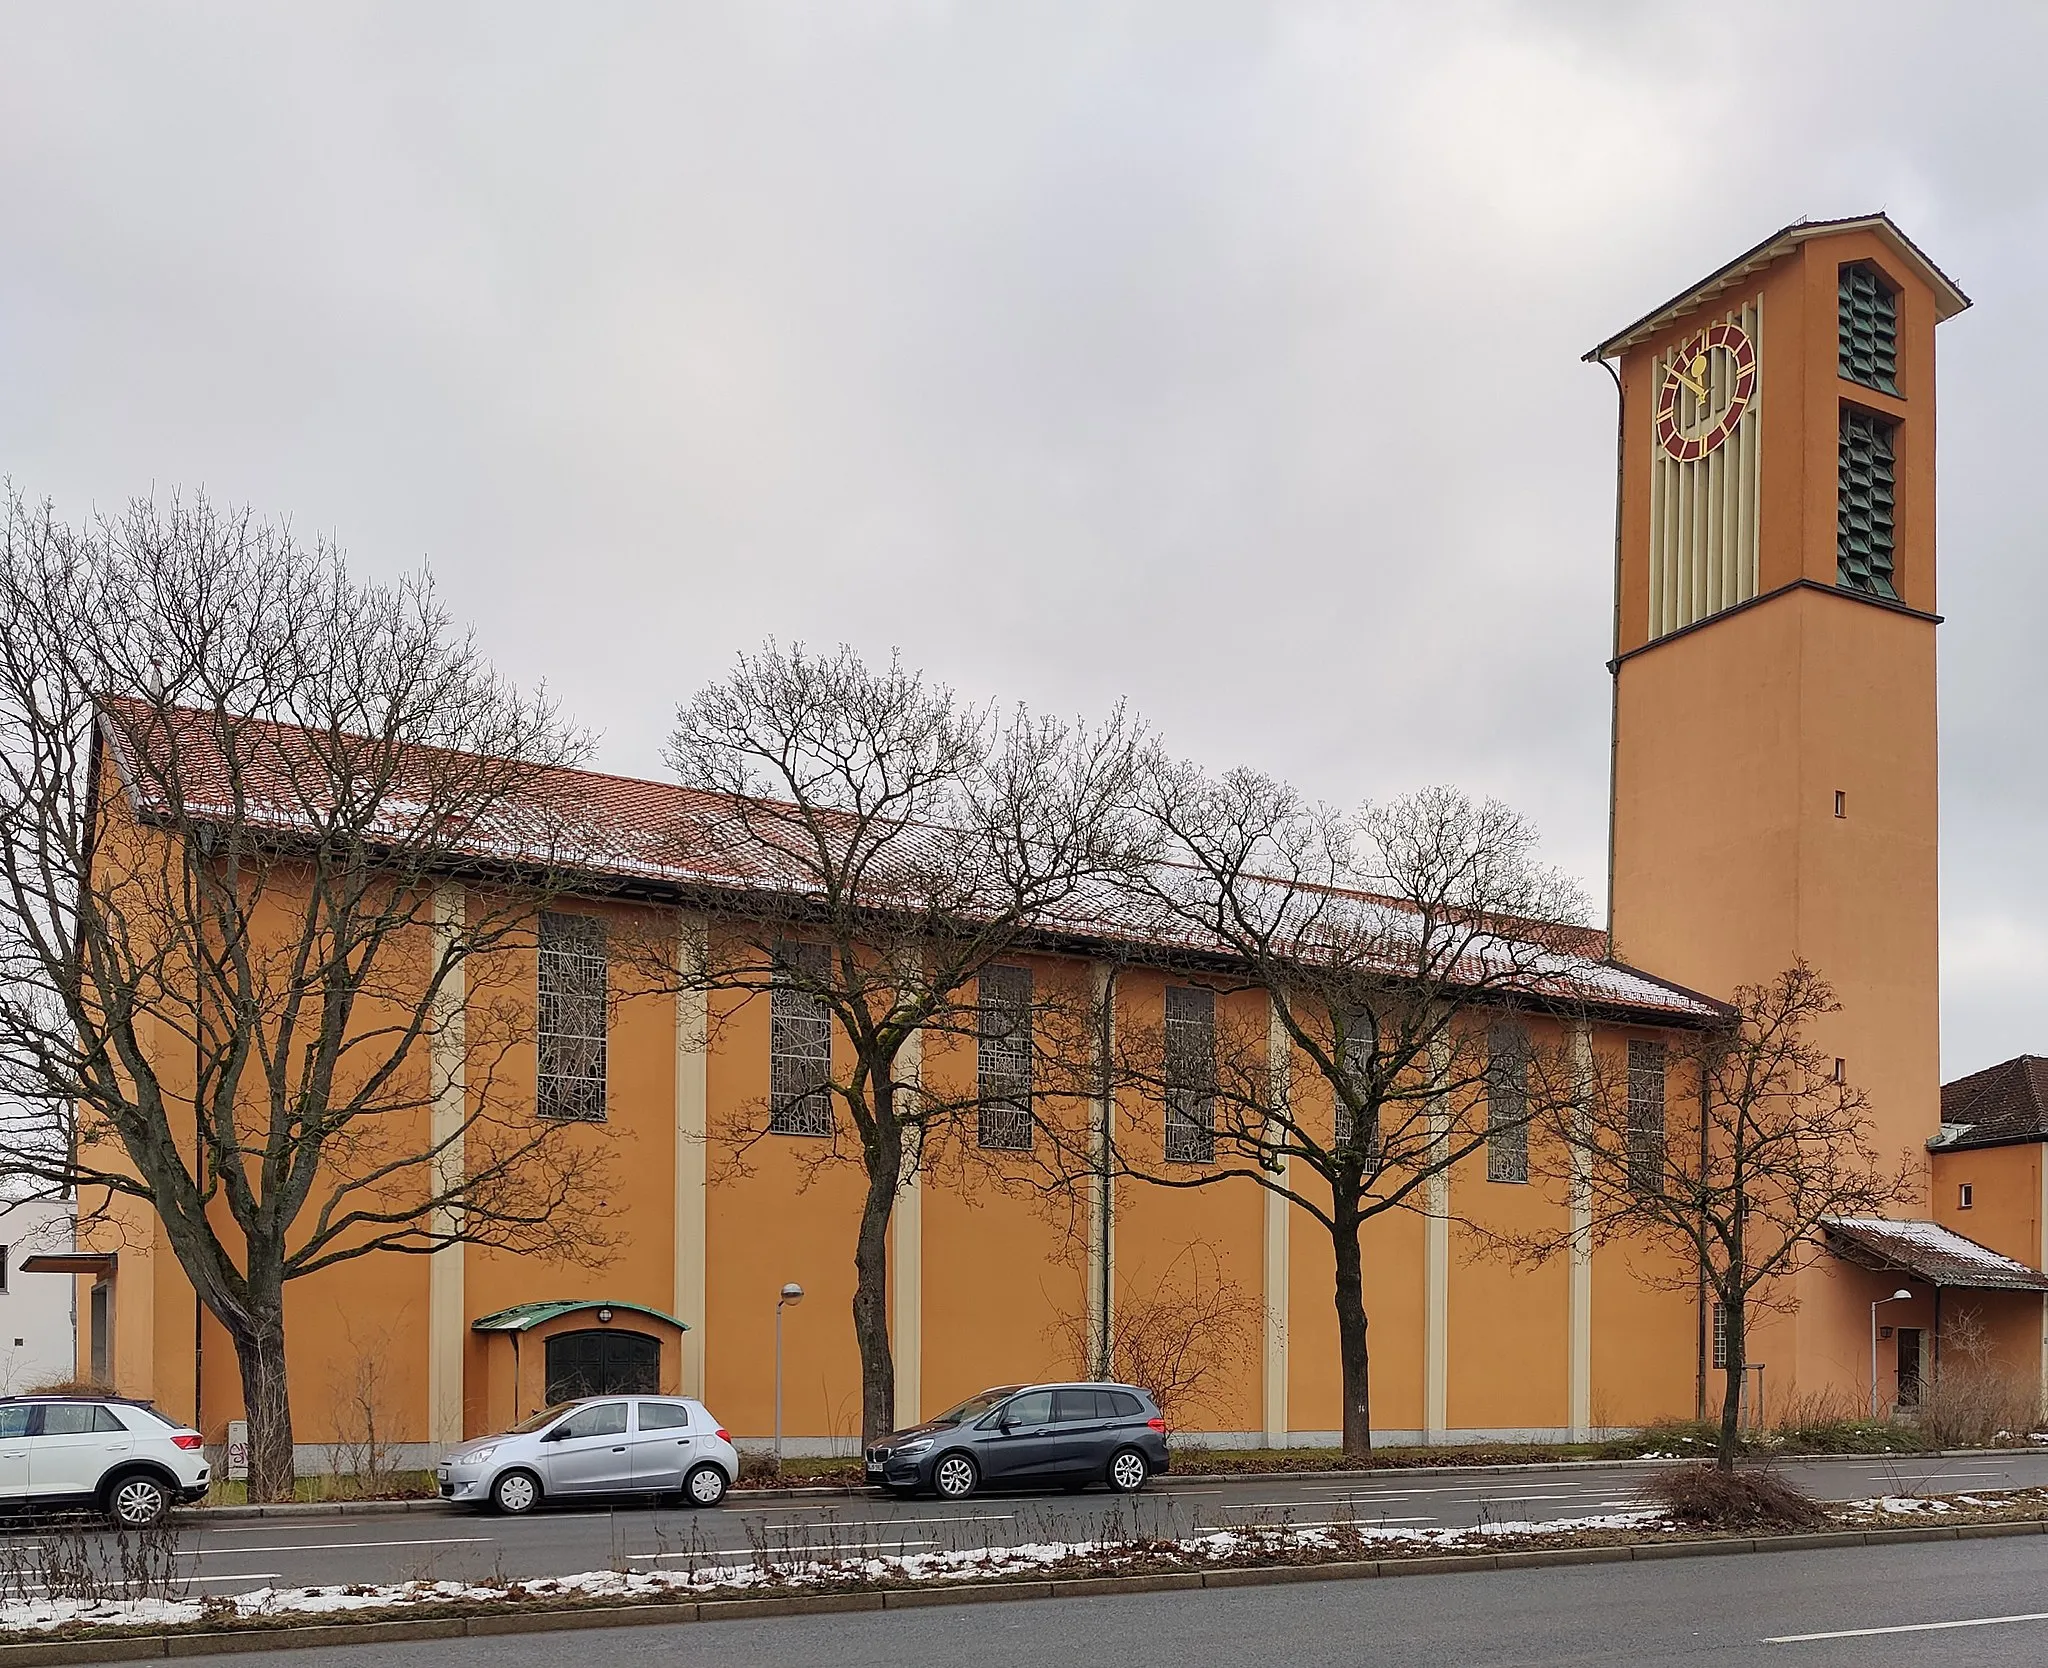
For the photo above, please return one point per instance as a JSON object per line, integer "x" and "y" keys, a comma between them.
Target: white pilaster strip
{"x": 1436, "y": 1269}
{"x": 692, "y": 1179}
{"x": 906, "y": 1227}
{"x": 1279, "y": 1062}
{"x": 1101, "y": 1223}
{"x": 448, "y": 1073}
{"x": 1580, "y": 1301}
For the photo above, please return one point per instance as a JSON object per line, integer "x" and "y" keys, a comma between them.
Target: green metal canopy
{"x": 523, "y": 1317}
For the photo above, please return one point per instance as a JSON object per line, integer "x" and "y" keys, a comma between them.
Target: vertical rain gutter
{"x": 1614, "y": 663}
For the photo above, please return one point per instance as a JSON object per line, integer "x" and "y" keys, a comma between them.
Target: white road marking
{"x": 1906, "y": 1627}
{"x": 331, "y": 1546}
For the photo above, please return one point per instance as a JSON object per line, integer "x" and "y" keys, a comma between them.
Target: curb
{"x": 162, "y": 1646}
{"x": 751, "y": 1497}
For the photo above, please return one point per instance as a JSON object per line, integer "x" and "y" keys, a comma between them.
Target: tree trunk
{"x": 871, "y": 1289}
{"x": 1731, "y": 1393}
{"x": 1352, "y": 1356}
{"x": 259, "y": 1352}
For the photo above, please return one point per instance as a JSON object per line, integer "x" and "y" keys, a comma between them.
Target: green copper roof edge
{"x": 522, "y": 1317}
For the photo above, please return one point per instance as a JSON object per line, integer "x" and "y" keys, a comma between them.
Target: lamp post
{"x": 793, "y": 1293}
{"x": 1896, "y": 1297}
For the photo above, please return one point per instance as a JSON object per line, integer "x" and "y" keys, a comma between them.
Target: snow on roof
{"x": 1930, "y": 1252}
{"x": 665, "y": 835}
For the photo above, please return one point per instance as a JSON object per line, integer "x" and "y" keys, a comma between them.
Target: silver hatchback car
{"x": 653, "y": 1445}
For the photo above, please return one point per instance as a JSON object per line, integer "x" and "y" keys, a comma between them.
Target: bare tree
{"x": 1398, "y": 952}
{"x": 1179, "y": 1334}
{"x": 902, "y": 844}
{"x": 236, "y": 785}
{"x": 1781, "y": 1145}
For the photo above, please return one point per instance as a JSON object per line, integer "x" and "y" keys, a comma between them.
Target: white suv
{"x": 605, "y": 1445}
{"x": 120, "y": 1457}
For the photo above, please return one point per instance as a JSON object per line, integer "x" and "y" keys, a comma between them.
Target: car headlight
{"x": 476, "y": 1456}
{"x": 916, "y": 1447}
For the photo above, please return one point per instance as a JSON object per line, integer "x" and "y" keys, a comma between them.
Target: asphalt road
{"x": 1956, "y": 1604}
{"x": 450, "y": 1545}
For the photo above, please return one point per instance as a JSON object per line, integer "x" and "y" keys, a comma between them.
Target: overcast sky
{"x": 1221, "y": 357}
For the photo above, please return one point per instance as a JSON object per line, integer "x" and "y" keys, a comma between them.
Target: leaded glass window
{"x": 573, "y": 972}
{"x": 1354, "y": 1059}
{"x": 1869, "y": 350}
{"x": 1507, "y": 1104}
{"x": 800, "y": 1043}
{"x": 1863, "y": 531}
{"x": 1190, "y": 1075}
{"x": 1646, "y": 1118}
{"x": 1004, "y": 1059}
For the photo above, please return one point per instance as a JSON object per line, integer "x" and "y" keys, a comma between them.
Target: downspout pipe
{"x": 1614, "y": 659}
{"x": 1105, "y": 1181}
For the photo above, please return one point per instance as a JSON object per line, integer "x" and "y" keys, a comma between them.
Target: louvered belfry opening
{"x": 1863, "y": 530}
{"x": 1869, "y": 328}
{"x": 1704, "y": 553}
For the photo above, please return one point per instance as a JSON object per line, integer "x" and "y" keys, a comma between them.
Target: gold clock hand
{"x": 1698, "y": 392}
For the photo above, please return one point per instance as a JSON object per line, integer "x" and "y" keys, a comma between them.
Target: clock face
{"x": 1707, "y": 388}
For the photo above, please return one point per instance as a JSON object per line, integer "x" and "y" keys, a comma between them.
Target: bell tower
{"x": 1774, "y": 780}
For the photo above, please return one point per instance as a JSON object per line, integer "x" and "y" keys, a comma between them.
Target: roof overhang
{"x": 1949, "y": 299}
{"x": 1929, "y": 1253}
{"x": 100, "y": 1264}
{"x": 523, "y": 1317}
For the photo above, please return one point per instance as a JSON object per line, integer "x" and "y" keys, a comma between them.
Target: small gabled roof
{"x": 1997, "y": 1106}
{"x": 523, "y": 1317}
{"x": 1928, "y": 1252}
{"x": 1949, "y": 299}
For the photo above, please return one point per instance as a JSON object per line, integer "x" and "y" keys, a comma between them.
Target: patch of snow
{"x": 797, "y": 1570}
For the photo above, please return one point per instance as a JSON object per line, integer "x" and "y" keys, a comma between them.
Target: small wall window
{"x": 1646, "y": 1118}
{"x": 1841, "y": 803}
{"x": 1190, "y": 1075}
{"x": 800, "y": 1042}
{"x": 573, "y": 977}
{"x": 1004, "y": 1059}
{"x": 1720, "y": 1326}
{"x": 1507, "y": 1104}
{"x": 1869, "y": 333}
{"x": 3, "y": 1268}
{"x": 1866, "y": 500}
{"x": 1965, "y": 1197}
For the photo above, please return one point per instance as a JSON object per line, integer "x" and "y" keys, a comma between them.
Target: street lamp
{"x": 793, "y": 1294}
{"x": 1896, "y": 1297}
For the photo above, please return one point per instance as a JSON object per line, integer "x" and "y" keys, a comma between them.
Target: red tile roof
{"x": 1927, "y": 1251}
{"x": 2002, "y": 1103}
{"x": 664, "y": 836}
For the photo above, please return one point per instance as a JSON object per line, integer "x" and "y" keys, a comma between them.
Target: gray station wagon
{"x": 1064, "y": 1435}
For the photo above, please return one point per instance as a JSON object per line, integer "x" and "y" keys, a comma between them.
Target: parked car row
{"x": 128, "y": 1461}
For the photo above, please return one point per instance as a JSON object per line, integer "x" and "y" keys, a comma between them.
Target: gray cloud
{"x": 1224, "y": 357}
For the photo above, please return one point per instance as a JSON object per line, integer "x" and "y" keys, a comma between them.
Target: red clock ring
{"x": 1733, "y": 340}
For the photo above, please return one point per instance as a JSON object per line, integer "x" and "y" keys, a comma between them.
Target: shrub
{"x": 1703, "y": 1497}
{"x": 1975, "y": 1398}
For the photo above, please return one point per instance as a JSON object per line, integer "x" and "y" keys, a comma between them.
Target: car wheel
{"x": 515, "y": 1493}
{"x": 704, "y": 1486}
{"x": 137, "y": 1501}
{"x": 1128, "y": 1470}
{"x": 955, "y": 1476}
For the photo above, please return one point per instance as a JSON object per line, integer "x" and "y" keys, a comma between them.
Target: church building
{"x": 1773, "y": 800}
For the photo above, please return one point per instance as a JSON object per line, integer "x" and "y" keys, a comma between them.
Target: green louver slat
{"x": 1869, "y": 345}
{"x": 1863, "y": 531}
